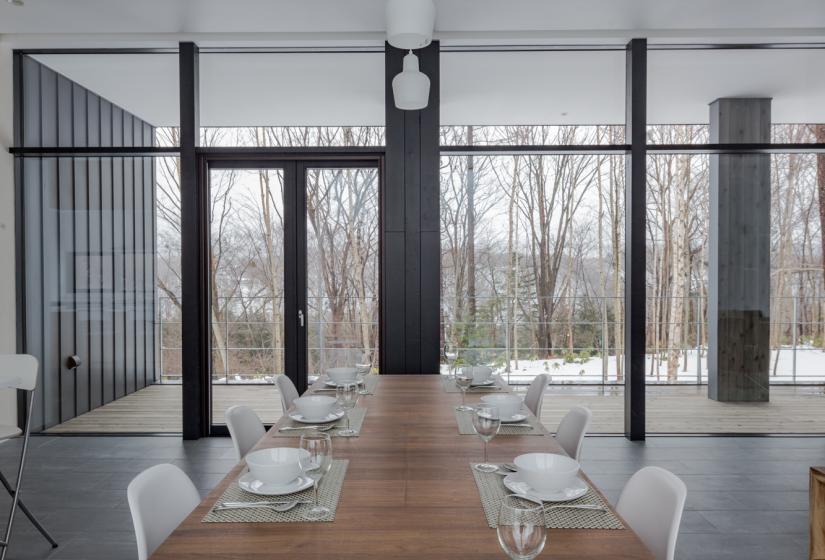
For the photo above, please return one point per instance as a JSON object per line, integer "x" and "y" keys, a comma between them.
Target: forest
{"x": 532, "y": 262}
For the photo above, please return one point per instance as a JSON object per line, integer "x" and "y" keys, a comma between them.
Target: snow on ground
{"x": 810, "y": 368}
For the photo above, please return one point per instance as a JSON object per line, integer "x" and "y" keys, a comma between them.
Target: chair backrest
{"x": 572, "y": 429}
{"x": 535, "y": 394}
{"x": 652, "y": 502}
{"x": 159, "y": 498}
{"x": 245, "y": 427}
{"x": 288, "y": 391}
{"x": 18, "y": 371}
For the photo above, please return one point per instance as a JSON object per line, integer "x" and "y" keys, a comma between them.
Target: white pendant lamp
{"x": 410, "y": 23}
{"x": 411, "y": 88}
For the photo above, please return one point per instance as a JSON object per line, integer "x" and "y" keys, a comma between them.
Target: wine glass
{"x": 486, "y": 422}
{"x": 347, "y": 394}
{"x": 463, "y": 380}
{"x": 522, "y": 533}
{"x": 315, "y": 465}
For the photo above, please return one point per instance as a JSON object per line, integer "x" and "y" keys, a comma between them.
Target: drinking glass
{"x": 451, "y": 356}
{"x": 463, "y": 380}
{"x": 522, "y": 533}
{"x": 315, "y": 466}
{"x": 347, "y": 394}
{"x": 363, "y": 370}
{"x": 486, "y": 422}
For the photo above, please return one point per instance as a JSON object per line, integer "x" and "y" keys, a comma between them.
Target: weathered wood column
{"x": 739, "y": 267}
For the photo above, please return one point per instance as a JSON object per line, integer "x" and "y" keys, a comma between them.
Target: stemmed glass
{"x": 347, "y": 394}
{"x": 463, "y": 380}
{"x": 522, "y": 533}
{"x": 486, "y": 422}
{"x": 315, "y": 465}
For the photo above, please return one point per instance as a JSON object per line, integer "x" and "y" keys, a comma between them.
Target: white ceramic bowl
{"x": 278, "y": 465}
{"x": 342, "y": 374}
{"x": 480, "y": 373}
{"x": 314, "y": 407}
{"x": 508, "y": 405}
{"x": 547, "y": 472}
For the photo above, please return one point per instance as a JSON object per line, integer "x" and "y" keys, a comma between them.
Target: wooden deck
{"x": 670, "y": 409}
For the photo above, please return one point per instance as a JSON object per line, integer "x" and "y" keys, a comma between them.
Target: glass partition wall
{"x": 532, "y": 215}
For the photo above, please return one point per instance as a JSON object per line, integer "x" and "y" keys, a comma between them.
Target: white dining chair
{"x": 572, "y": 429}
{"x": 288, "y": 391}
{"x": 535, "y": 394}
{"x": 19, "y": 371}
{"x": 245, "y": 428}
{"x": 159, "y": 498}
{"x": 651, "y": 503}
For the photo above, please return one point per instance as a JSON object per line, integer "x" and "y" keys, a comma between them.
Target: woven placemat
{"x": 501, "y": 386}
{"x": 329, "y": 492}
{"x": 492, "y": 490}
{"x": 465, "y": 426}
{"x": 356, "y": 420}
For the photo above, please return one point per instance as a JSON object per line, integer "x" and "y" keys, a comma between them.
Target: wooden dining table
{"x": 408, "y": 493}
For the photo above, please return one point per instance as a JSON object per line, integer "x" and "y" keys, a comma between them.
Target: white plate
{"x": 252, "y": 485}
{"x": 516, "y": 485}
{"x": 484, "y": 383}
{"x": 514, "y": 418}
{"x": 331, "y": 417}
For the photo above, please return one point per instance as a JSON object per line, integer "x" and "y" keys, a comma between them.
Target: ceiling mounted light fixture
{"x": 15, "y": 2}
{"x": 410, "y": 23}
{"x": 411, "y": 88}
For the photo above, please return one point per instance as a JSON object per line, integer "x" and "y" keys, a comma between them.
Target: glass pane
{"x": 682, "y": 83}
{"x": 533, "y": 88}
{"x": 342, "y": 268}
{"x": 108, "y": 93}
{"x": 532, "y": 274}
{"x": 247, "y": 236}
{"x": 680, "y": 289}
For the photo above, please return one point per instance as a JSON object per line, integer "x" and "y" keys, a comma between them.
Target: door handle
{"x": 301, "y": 318}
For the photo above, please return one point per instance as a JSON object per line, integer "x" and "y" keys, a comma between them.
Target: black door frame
{"x": 294, "y": 165}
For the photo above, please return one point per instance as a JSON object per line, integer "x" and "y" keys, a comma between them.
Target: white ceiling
{"x": 476, "y": 88}
{"x": 455, "y": 17}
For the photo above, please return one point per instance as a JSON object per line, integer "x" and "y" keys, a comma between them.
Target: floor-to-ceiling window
{"x": 532, "y": 240}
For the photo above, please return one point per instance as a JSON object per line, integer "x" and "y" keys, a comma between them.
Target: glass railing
{"x": 583, "y": 343}
{"x": 248, "y": 337}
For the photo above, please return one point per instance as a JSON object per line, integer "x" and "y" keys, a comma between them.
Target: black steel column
{"x": 411, "y": 254}
{"x": 194, "y": 256}
{"x": 634, "y": 240}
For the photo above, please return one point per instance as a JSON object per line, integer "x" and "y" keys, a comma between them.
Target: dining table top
{"x": 408, "y": 493}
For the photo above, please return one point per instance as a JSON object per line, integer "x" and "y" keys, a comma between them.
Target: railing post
{"x": 699, "y": 340}
{"x": 794, "y": 335}
{"x": 159, "y": 345}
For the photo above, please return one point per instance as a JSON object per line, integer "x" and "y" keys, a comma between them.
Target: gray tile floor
{"x": 747, "y": 497}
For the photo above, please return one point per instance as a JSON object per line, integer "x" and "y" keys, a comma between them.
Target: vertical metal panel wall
{"x": 88, "y": 248}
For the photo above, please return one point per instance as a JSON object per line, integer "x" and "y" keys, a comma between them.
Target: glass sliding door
{"x": 247, "y": 289}
{"x": 342, "y": 244}
{"x": 293, "y": 276}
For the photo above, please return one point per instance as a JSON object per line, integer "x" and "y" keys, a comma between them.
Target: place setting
{"x": 474, "y": 379}
{"x": 285, "y": 485}
{"x": 513, "y": 416}
{"x": 336, "y": 415}
{"x": 336, "y": 376}
{"x": 547, "y": 482}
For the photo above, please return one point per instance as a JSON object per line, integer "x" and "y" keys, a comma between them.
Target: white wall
{"x": 8, "y": 409}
